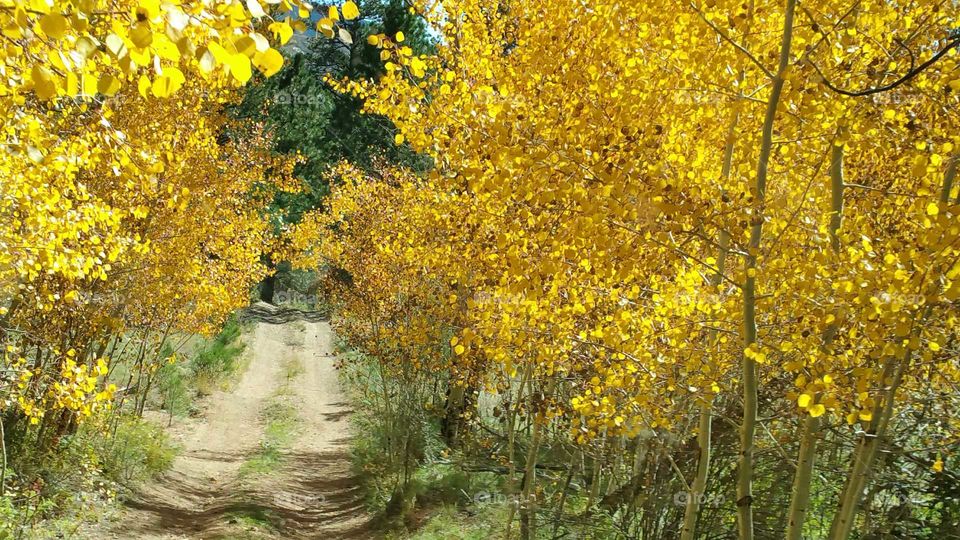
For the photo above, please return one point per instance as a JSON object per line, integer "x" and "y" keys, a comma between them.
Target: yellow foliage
{"x": 580, "y": 191}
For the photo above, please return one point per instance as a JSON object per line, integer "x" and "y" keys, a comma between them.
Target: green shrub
{"x": 51, "y": 492}
{"x": 217, "y": 359}
{"x": 137, "y": 451}
{"x": 174, "y": 389}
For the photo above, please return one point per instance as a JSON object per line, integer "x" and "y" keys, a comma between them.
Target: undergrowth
{"x": 53, "y": 493}
{"x": 418, "y": 487}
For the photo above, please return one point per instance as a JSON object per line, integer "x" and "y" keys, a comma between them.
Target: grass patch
{"x": 281, "y": 421}
{"x": 291, "y": 369}
{"x": 483, "y": 522}
{"x": 261, "y": 518}
{"x": 296, "y": 336}
{"x": 218, "y": 359}
{"x": 256, "y": 524}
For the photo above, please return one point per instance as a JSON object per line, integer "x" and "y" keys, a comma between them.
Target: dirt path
{"x": 305, "y": 489}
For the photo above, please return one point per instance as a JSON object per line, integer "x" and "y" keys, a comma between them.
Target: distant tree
{"x": 308, "y": 118}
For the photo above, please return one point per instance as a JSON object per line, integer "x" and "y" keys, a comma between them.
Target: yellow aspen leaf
{"x": 84, "y": 47}
{"x": 417, "y": 67}
{"x": 399, "y": 37}
{"x": 398, "y": 138}
{"x": 256, "y": 10}
{"x": 143, "y": 85}
{"x": 269, "y": 62}
{"x": 333, "y": 14}
{"x": 240, "y": 67}
{"x": 207, "y": 62}
{"x": 176, "y": 18}
{"x": 933, "y": 209}
{"x": 73, "y": 84}
{"x": 116, "y": 46}
{"x": 219, "y": 53}
{"x": 44, "y": 84}
{"x": 817, "y": 410}
{"x": 934, "y": 346}
{"x": 138, "y": 57}
{"x": 149, "y": 8}
{"x": 245, "y": 45}
{"x": 938, "y": 465}
{"x": 281, "y": 31}
{"x": 165, "y": 49}
{"x": 325, "y": 26}
{"x": 88, "y": 85}
{"x": 804, "y": 400}
{"x": 168, "y": 83}
{"x": 53, "y": 25}
{"x": 141, "y": 35}
{"x": 350, "y": 10}
{"x": 108, "y": 85}
{"x": 373, "y": 39}
{"x": 261, "y": 42}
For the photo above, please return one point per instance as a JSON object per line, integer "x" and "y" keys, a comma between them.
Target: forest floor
{"x": 269, "y": 458}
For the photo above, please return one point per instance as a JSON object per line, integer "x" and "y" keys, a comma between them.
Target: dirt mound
{"x": 269, "y": 313}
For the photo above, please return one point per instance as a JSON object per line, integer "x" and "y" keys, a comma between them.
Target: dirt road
{"x": 228, "y": 483}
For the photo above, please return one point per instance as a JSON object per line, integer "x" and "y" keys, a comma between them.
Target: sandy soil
{"x": 312, "y": 494}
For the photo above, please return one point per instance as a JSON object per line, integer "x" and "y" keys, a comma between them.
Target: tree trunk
{"x": 800, "y": 499}
{"x": 800, "y": 494}
{"x": 453, "y": 414}
{"x": 749, "y": 423}
{"x": 267, "y": 287}
{"x": 698, "y": 487}
{"x": 510, "y": 486}
{"x": 528, "y": 502}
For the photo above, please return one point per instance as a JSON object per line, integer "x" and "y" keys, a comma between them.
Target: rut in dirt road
{"x": 310, "y": 492}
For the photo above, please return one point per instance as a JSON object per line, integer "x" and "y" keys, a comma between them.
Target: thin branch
{"x": 727, "y": 38}
{"x": 902, "y": 80}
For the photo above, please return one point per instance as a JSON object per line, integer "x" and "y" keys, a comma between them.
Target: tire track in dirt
{"x": 311, "y": 494}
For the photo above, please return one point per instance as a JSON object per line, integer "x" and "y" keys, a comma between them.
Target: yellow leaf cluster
{"x": 595, "y": 216}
